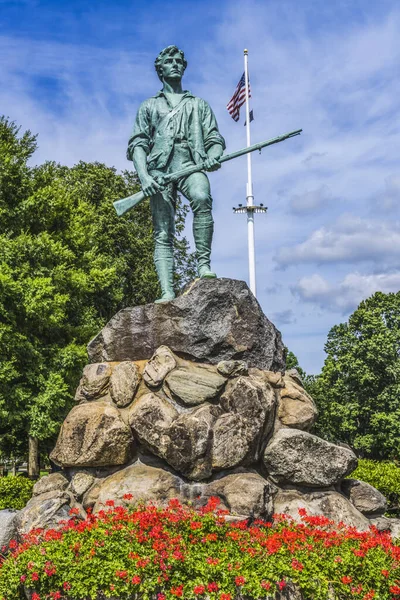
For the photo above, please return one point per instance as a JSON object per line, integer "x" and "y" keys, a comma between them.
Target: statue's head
{"x": 170, "y": 57}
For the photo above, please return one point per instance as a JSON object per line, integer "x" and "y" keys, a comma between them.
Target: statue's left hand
{"x": 212, "y": 164}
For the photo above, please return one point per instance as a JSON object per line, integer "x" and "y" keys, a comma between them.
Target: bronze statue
{"x": 174, "y": 130}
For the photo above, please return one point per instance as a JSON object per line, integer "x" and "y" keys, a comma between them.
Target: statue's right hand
{"x": 150, "y": 187}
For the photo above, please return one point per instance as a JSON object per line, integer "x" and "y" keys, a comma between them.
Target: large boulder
{"x": 158, "y": 367}
{"x": 244, "y": 494}
{"x": 297, "y": 457}
{"x": 248, "y": 403}
{"x": 93, "y": 435}
{"x": 94, "y": 383}
{"x": 214, "y": 320}
{"x": 47, "y": 511}
{"x": 192, "y": 385}
{"x": 54, "y": 482}
{"x": 151, "y": 417}
{"x": 144, "y": 482}
{"x": 190, "y": 442}
{"x": 124, "y": 382}
{"x": 296, "y": 407}
{"x": 365, "y": 498}
{"x": 8, "y": 527}
{"x": 330, "y": 504}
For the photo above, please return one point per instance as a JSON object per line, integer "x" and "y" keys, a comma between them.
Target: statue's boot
{"x": 203, "y": 229}
{"x": 164, "y": 262}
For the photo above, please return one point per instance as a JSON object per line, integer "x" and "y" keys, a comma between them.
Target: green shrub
{"x": 384, "y": 476}
{"x": 149, "y": 553}
{"x": 15, "y": 492}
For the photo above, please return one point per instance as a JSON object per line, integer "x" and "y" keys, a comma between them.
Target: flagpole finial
{"x": 245, "y": 51}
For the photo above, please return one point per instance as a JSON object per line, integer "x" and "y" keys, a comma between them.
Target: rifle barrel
{"x": 125, "y": 204}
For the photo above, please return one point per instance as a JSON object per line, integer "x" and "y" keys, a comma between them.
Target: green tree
{"x": 358, "y": 391}
{"x": 67, "y": 264}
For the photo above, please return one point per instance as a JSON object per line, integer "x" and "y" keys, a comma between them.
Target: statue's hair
{"x": 168, "y": 51}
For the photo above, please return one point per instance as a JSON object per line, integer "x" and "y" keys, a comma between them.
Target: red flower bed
{"x": 177, "y": 552}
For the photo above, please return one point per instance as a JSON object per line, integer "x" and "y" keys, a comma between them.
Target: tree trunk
{"x": 33, "y": 458}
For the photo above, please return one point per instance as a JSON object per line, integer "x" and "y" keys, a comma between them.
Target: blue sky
{"x": 75, "y": 72}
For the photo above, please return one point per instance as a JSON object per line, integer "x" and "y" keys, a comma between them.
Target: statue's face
{"x": 172, "y": 67}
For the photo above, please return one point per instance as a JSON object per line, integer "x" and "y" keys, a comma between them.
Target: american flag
{"x": 238, "y": 99}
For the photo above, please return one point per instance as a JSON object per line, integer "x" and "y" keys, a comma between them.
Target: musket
{"x": 122, "y": 206}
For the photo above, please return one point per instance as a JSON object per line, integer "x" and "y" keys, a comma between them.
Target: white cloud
{"x": 350, "y": 240}
{"x": 345, "y": 296}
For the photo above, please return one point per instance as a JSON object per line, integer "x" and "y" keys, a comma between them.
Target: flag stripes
{"x": 238, "y": 99}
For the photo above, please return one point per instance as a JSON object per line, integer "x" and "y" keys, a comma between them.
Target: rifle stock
{"x": 122, "y": 206}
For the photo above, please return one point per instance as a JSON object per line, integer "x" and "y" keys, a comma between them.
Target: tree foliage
{"x": 358, "y": 391}
{"x": 67, "y": 264}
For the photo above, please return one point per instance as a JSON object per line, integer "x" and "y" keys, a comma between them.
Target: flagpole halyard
{"x": 249, "y": 188}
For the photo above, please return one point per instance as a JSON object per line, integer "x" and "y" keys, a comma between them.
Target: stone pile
{"x": 189, "y": 399}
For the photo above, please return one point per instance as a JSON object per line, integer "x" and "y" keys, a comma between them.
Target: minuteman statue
{"x": 174, "y": 130}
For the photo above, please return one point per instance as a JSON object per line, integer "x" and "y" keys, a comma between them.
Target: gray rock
{"x": 297, "y": 457}
{"x": 235, "y": 442}
{"x": 214, "y": 320}
{"x": 151, "y": 417}
{"x": 232, "y": 368}
{"x": 50, "y": 483}
{"x": 94, "y": 383}
{"x": 249, "y": 406}
{"x": 124, "y": 382}
{"x": 190, "y": 442}
{"x": 158, "y": 367}
{"x": 294, "y": 374}
{"x": 330, "y": 504}
{"x": 365, "y": 498}
{"x": 93, "y": 435}
{"x": 382, "y": 523}
{"x": 144, "y": 482}
{"x": 296, "y": 407}
{"x": 244, "y": 494}
{"x": 8, "y": 527}
{"x": 193, "y": 384}
{"x": 46, "y": 511}
{"x": 80, "y": 483}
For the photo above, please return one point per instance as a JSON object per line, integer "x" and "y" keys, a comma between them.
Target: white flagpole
{"x": 249, "y": 190}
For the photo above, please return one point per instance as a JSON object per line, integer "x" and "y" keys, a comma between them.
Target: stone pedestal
{"x": 190, "y": 399}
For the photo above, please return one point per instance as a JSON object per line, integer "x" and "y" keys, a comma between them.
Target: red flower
{"x": 35, "y": 596}
{"x": 74, "y": 511}
{"x": 385, "y": 573}
{"x": 35, "y": 576}
{"x": 66, "y": 585}
{"x": 212, "y": 561}
{"x": 55, "y": 595}
{"x": 298, "y": 566}
{"x": 121, "y": 574}
{"x": 212, "y": 587}
{"x": 136, "y": 580}
{"x": 395, "y": 589}
{"x": 240, "y": 580}
{"x": 281, "y": 584}
{"x": 346, "y": 579}
{"x": 22, "y": 578}
{"x": 12, "y": 544}
{"x": 178, "y": 591}
{"x": 266, "y": 585}
{"x": 127, "y": 496}
{"x": 161, "y": 597}
{"x": 110, "y": 503}
{"x": 199, "y": 590}
{"x": 225, "y": 597}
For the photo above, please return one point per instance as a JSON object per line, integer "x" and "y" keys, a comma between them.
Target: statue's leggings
{"x": 196, "y": 188}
